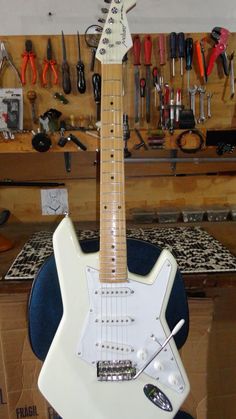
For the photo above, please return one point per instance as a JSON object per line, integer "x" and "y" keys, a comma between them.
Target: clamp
{"x": 220, "y": 36}
{"x": 28, "y": 55}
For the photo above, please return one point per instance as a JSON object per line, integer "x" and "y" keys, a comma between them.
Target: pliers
{"x": 220, "y": 36}
{"x": 5, "y": 58}
{"x": 28, "y": 55}
{"x": 49, "y": 63}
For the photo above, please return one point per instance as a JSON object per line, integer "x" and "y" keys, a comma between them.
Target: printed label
{"x": 26, "y": 412}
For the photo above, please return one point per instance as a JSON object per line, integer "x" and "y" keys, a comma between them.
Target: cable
{"x": 195, "y": 132}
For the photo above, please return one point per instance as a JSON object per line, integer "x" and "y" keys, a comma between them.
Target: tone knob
{"x": 158, "y": 366}
{"x": 142, "y": 354}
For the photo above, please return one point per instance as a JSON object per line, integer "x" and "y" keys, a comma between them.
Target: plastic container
{"x": 168, "y": 216}
{"x": 141, "y": 216}
{"x": 192, "y": 215}
{"x": 217, "y": 214}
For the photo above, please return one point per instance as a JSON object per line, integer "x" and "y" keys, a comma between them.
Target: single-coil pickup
{"x": 114, "y": 347}
{"x": 114, "y": 321}
{"x": 114, "y": 292}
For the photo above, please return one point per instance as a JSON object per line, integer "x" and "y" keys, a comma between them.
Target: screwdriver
{"x": 147, "y": 62}
{"x": 66, "y": 83}
{"x": 161, "y": 48}
{"x": 189, "y": 58}
{"x": 142, "y": 87}
{"x": 155, "y": 81}
{"x": 173, "y": 50}
{"x": 181, "y": 47}
{"x": 136, "y": 52}
{"x": 81, "y": 83}
{"x": 96, "y": 81}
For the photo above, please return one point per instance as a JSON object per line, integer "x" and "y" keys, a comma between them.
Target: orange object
{"x": 199, "y": 59}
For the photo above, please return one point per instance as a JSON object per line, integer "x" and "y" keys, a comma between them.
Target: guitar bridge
{"x": 115, "y": 370}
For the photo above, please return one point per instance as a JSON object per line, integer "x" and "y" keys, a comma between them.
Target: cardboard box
{"x": 208, "y": 356}
{"x": 19, "y": 368}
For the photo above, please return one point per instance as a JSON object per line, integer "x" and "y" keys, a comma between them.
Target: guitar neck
{"x": 113, "y": 259}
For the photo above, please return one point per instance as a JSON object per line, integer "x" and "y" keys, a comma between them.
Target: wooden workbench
{"x": 19, "y": 233}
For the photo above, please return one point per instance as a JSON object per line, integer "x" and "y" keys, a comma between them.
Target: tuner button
{"x": 104, "y": 10}
{"x": 107, "y": 1}
{"x": 101, "y": 20}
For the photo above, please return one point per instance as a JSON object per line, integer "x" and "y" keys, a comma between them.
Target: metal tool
{"x": 66, "y": 82}
{"x": 6, "y": 59}
{"x": 147, "y": 62}
{"x": 220, "y": 36}
{"x": 202, "y": 92}
{"x": 28, "y": 56}
{"x": 172, "y": 111}
{"x": 166, "y": 109}
{"x": 49, "y": 63}
{"x": 189, "y": 58}
{"x": 96, "y": 81}
{"x": 173, "y": 51}
{"x": 155, "y": 81}
{"x": 136, "y": 52}
{"x": 192, "y": 92}
{"x": 92, "y": 38}
{"x": 231, "y": 74}
{"x": 209, "y": 96}
{"x": 81, "y": 82}
{"x": 181, "y": 49}
{"x": 142, "y": 91}
{"x": 178, "y": 104}
{"x": 32, "y": 96}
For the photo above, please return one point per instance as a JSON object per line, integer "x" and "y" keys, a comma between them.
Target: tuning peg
{"x": 101, "y": 20}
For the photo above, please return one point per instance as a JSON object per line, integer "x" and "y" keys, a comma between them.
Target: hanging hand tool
{"x": 166, "y": 110}
{"x": 220, "y": 36}
{"x": 200, "y": 60}
{"x": 96, "y": 80}
{"x": 162, "y": 49}
{"x": 231, "y": 73}
{"x": 142, "y": 90}
{"x": 173, "y": 51}
{"x": 6, "y": 59}
{"x": 28, "y": 55}
{"x": 66, "y": 83}
{"x": 172, "y": 110}
{"x": 81, "y": 83}
{"x": 178, "y": 105}
{"x": 189, "y": 58}
{"x": 92, "y": 38}
{"x": 181, "y": 48}
{"x": 49, "y": 63}
{"x": 155, "y": 82}
{"x": 147, "y": 62}
{"x": 32, "y": 95}
{"x": 136, "y": 51}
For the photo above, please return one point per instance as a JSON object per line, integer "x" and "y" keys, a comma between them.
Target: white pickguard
{"x": 68, "y": 377}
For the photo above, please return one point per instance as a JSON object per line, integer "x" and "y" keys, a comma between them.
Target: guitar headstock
{"x": 115, "y": 40}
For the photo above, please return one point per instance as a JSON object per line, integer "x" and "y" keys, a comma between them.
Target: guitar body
{"x": 68, "y": 377}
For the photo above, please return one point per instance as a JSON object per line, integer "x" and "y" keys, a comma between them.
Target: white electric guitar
{"x": 113, "y": 356}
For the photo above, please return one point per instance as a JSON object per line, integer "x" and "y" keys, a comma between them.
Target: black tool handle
{"x": 225, "y": 63}
{"x": 96, "y": 80}
{"x": 66, "y": 83}
{"x": 181, "y": 44}
{"x": 81, "y": 82}
{"x": 173, "y": 45}
{"x": 189, "y": 53}
{"x": 77, "y": 142}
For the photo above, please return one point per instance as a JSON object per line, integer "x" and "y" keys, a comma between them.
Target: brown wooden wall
{"x": 149, "y": 185}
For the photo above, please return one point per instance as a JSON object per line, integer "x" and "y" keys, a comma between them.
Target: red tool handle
{"x": 162, "y": 49}
{"x": 24, "y": 65}
{"x": 33, "y": 67}
{"x": 199, "y": 58}
{"x": 44, "y": 75}
{"x": 147, "y": 49}
{"x": 137, "y": 49}
{"x": 54, "y": 71}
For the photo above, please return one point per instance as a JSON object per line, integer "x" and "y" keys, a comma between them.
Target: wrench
{"x": 202, "y": 92}
{"x": 192, "y": 92}
{"x": 209, "y": 96}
